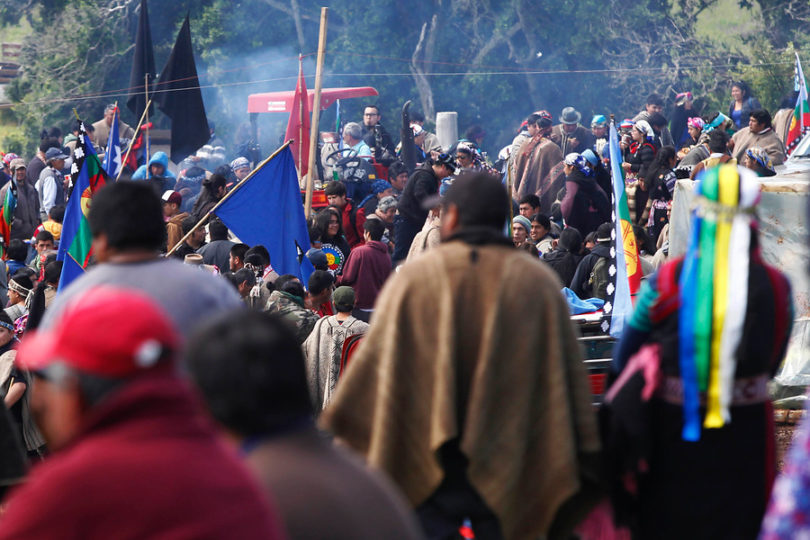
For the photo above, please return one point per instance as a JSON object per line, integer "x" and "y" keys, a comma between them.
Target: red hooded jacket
{"x": 146, "y": 464}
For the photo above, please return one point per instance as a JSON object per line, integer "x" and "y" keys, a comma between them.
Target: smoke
{"x": 227, "y": 85}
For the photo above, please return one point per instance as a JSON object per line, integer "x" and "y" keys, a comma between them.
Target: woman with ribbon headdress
{"x": 690, "y": 421}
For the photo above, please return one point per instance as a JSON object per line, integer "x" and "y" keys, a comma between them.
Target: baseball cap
{"x": 172, "y": 197}
{"x": 108, "y": 332}
{"x": 54, "y": 153}
{"x": 603, "y": 232}
{"x": 17, "y": 163}
{"x": 343, "y": 298}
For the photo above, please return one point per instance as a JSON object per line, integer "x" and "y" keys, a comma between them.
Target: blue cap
{"x": 379, "y": 186}
{"x": 598, "y": 120}
{"x": 590, "y": 156}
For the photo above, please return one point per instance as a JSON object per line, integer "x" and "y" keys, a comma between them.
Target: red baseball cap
{"x": 109, "y": 332}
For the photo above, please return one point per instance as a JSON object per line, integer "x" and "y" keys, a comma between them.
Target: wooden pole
{"x": 316, "y": 115}
{"x": 228, "y": 196}
{"x": 146, "y": 111}
{"x": 126, "y": 157}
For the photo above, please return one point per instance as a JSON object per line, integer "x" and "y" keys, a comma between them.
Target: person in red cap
{"x": 133, "y": 455}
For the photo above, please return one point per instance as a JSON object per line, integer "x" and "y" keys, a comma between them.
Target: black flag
{"x": 143, "y": 64}
{"x": 177, "y": 94}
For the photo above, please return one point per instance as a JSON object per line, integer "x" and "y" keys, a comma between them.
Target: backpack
{"x": 599, "y": 278}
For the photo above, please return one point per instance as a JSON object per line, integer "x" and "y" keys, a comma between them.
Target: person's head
{"x": 18, "y": 170}
{"x": 290, "y": 284}
{"x": 544, "y": 123}
{"x": 642, "y": 131}
{"x": 216, "y": 185}
{"x": 55, "y": 158}
{"x": 76, "y": 374}
{"x": 244, "y": 280}
{"x": 758, "y": 160}
{"x": 197, "y": 237}
{"x": 603, "y": 233}
{"x": 336, "y": 194}
{"x": 53, "y": 271}
{"x": 590, "y": 240}
{"x": 47, "y": 143}
{"x": 475, "y": 200}
{"x": 381, "y": 189}
{"x": 373, "y": 230}
{"x": 569, "y": 119}
{"x": 352, "y": 133}
{"x": 740, "y": 90}
{"x": 250, "y": 371}
{"x": 718, "y": 141}
{"x": 371, "y": 115}
{"x": 44, "y": 242}
{"x": 318, "y": 259}
{"x": 464, "y": 156}
{"x": 344, "y": 299}
{"x": 236, "y": 257}
{"x": 521, "y": 228}
{"x": 570, "y": 240}
{"x": 417, "y": 118}
{"x": 475, "y": 133}
{"x": 19, "y": 286}
{"x": 240, "y": 168}
{"x": 328, "y": 224}
{"x": 654, "y": 104}
{"x": 17, "y": 250}
{"x": 217, "y": 230}
{"x": 666, "y": 158}
{"x": 126, "y": 216}
{"x": 695, "y": 127}
{"x": 419, "y": 134}
{"x": 529, "y": 205}
{"x": 398, "y": 175}
{"x": 541, "y": 226}
{"x": 658, "y": 122}
{"x": 387, "y": 209}
{"x": 759, "y": 120}
{"x": 6, "y": 328}
{"x": 57, "y": 213}
{"x": 320, "y": 286}
{"x": 531, "y": 124}
{"x": 443, "y": 165}
{"x": 599, "y": 126}
{"x": 109, "y": 114}
{"x": 171, "y": 202}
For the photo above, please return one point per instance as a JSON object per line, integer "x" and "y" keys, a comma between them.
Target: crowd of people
{"x": 182, "y": 387}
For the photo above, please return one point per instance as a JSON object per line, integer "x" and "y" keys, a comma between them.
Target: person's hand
{"x": 573, "y": 142}
{"x": 626, "y": 166}
{"x": 731, "y": 144}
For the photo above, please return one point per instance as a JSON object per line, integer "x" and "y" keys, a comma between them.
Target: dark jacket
{"x": 218, "y": 253}
{"x": 370, "y": 138}
{"x": 366, "y": 270}
{"x": 585, "y": 205}
{"x": 564, "y": 263}
{"x": 146, "y": 464}
{"x": 750, "y": 104}
{"x": 579, "y": 284}
{"x": 641, "y": 157}
{"x": 583, "y": 136}
{"x": 422, "y": 184}
{"x": 34, "y": 169}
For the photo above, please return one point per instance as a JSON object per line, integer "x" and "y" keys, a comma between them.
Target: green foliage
{"x": 481, "y": 59}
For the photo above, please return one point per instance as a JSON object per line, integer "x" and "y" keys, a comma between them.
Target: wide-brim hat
{"x": 570, "y": 116}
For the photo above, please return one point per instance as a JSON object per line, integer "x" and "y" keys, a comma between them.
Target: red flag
{"x": 298, "y": 126}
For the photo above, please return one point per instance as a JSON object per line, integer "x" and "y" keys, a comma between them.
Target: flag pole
{"x": 146, "y": 111}
{"x": 316, "y": 115}
{"x": 137, "y": 129}
{"x": 228, "y": 196}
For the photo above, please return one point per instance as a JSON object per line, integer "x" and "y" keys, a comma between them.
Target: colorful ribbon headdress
{"x": 713, "y": 289}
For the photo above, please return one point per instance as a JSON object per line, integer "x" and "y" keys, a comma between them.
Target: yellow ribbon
{"x": 729, "y": 193}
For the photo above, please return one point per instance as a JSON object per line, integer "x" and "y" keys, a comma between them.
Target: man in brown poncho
{"x": 469, "y": 390}
{"x": 538, "y": 165}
